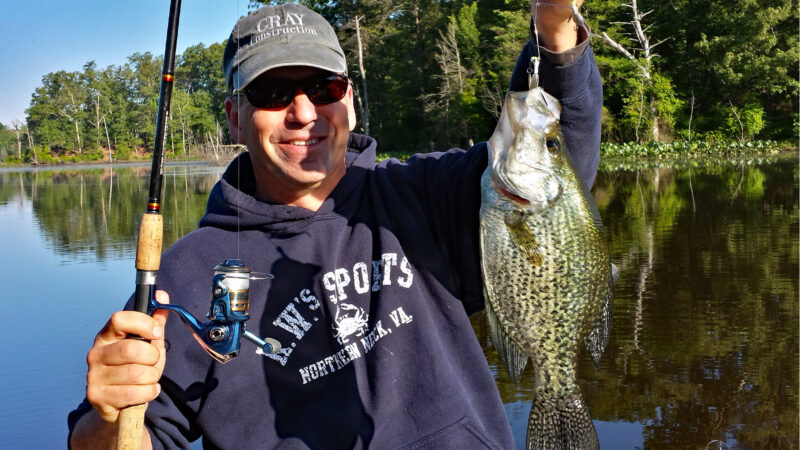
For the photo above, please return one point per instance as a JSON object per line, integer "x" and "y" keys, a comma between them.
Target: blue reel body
{"x": 222, "y": 334}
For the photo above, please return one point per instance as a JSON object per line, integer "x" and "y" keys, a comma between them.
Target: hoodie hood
{"x": 231, "y": 204}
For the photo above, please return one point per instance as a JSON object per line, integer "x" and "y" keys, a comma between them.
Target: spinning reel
{"x": 222, "y": 335}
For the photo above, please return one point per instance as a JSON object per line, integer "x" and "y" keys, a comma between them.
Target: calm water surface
{"x": 703, "y": 351}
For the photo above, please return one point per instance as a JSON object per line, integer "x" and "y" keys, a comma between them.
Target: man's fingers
{"x": 126, "y": 351}
{"x": 162, "y": 297}
{"x": 129, "y": 374}
{"x": 118, "y": 397}
{"x": 160, "y": 316}
{"x": 124, "y": 323}
{"x": 125, "y": 371}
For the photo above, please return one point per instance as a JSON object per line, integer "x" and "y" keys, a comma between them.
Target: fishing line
{"x": 533, "y": 67}
{"x": 238, "y": 122}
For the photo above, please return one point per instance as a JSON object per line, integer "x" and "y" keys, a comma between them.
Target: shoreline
{"x": 666, "y": 158}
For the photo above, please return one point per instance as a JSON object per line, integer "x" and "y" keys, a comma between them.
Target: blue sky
{"x": 39, "y": 37}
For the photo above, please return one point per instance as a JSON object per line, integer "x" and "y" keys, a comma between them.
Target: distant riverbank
{"x": 627, "y": 152}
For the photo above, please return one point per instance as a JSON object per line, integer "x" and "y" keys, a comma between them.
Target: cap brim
{"x": 311, "y": 55}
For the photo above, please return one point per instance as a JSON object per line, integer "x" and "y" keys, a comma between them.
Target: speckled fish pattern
{"x": 546, "y": 267}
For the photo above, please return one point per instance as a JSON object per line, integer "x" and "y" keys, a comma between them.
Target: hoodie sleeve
{"x": 578, "y": 87}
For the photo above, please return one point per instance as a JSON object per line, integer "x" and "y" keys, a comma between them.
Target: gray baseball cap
{"x": 277, "y": 36}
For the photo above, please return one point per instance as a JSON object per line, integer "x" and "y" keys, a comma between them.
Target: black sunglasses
{"x": 278, "y": 93}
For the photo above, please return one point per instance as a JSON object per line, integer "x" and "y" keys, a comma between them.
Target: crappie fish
{"x": 546, "y": 267}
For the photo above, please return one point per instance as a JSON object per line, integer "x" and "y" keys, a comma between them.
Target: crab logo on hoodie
{"x": 349, "y": 320}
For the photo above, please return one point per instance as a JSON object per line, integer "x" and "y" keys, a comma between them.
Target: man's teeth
{"x": 305, "y": 143}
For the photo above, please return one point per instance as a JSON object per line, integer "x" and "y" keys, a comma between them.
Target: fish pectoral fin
{"x": 514, "y": 359}
{"x": 523, "y": 238}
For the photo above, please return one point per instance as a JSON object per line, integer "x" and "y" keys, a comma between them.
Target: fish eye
{"x": 553, "y": 145}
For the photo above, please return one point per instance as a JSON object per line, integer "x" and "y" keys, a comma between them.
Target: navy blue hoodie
{"x": 370, "y": 301}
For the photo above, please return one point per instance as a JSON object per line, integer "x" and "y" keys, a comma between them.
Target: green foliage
{"x": 95, "y": 154}
{"x": 435, "y": 74}
{"x": 711, "y": 147}
{"x": 8, "y": 142}
{"x": 745, "y": 123}
{"x": 722, "y": 52}
{"x": 117, "y": 106}
{"x": 44, "y": 156}
{"x": 667, "y": 103}
{"x": 123, "y": 151}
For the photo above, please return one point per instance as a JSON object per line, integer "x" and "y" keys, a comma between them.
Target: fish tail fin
{"x": 561, "y": 424}
{"x": 514, "y": 359}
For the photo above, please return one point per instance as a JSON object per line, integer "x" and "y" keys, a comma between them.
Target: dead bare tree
{"x": 180, "y": 106}
{"x": 94, "y": 98}
{"x": 215, "y": 141}
{"x": 449, "y": 56}
{"x": 30, "y": 144}
{"x": 739, "y": 120}
{"x": 380, "y": 10}
{"x": 70, "y": 110}
{"x": 493, "y": 98}
{"x": 99, "y": 117}
{"x": 16, "y": 126}
{"x": 644, "y": 62}
{"x": 363, "y": 72}
{"x": 691, "y": 113}
{"x": 451, "y": 76}
{"x": 108, "y": 139}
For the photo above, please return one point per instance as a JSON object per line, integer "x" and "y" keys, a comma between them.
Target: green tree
{"x": 732, "y": 52}
{"x": 143, "y": 81}
{"x": 8, "y": 142}
{"x": 199, "y": 69}
{"x": 57, "y": 113}
{"x": 98, "y": 104}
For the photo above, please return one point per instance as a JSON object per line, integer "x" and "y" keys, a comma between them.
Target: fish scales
{"x": 546, "y": 269}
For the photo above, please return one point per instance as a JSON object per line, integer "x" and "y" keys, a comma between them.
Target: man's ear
{"x": 351, "y": 110}
{"x": 232, "y": 113}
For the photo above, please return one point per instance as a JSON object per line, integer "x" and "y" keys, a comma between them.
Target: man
{"x": 376, "y": 267}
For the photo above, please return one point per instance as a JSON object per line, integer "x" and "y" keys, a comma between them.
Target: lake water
{"x": 704, "y": 346}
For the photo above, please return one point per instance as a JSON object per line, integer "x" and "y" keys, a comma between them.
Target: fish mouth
{"x": 532, "y": 197}
{"x": 503, "y": 192}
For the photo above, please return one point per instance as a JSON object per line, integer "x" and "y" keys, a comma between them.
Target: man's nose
{"x": 301, "y": 110}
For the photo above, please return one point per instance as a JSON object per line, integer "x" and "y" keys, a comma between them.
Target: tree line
{"x": 432, "y": 74}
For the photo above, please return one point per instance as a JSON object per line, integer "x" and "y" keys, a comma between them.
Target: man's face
{"x": 298, "y": 150}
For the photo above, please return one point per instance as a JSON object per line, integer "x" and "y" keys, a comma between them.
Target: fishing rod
{"x": 151, "y": 229}
{"x": 221, "y": 335}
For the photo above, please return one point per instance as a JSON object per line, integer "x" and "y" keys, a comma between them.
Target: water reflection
{"x": 93, "y": 214}
{"x": 704, "y": 344}
{"x": 705, "y": 337}
{"x": 67, "y": 243}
